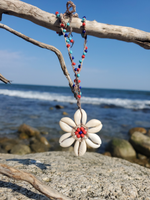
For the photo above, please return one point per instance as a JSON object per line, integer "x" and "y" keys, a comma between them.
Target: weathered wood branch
{"x": 48, "y": 20}
{"x": 37, "y": 184}
{"x": 3, "y": 79}
{"x": 42, "y": 45}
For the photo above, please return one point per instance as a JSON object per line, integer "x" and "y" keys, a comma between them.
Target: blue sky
{"x": 108, "y": 64}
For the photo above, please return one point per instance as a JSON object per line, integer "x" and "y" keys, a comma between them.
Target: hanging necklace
{"x": 79, "y": 131}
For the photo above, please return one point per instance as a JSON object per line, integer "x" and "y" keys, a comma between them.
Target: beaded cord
{"x": 76, "y": 88}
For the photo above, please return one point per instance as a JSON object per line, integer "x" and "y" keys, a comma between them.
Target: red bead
{"x": 74, "y": 80}
{"x": 56, "y": 12}
{"x": 86, "y": 47}
{"x": 57, "y": 32}
{"x": 78, "y": 130}
{"x": 78, "y": 69}
{"x": 68, "y": 45}
{"x": 78, "y": 136}
{"x": 84, "y": 131}
{"x": 79, "y": 81}
{"x": 62, "y": 25}
{"x": 82, "y": 135}
{"x": 83, "y": 24}
{"x": 83, "y": 56}
{"x": 76, "y": 133}
{"x": 79, "y": 96}
{"x": 71, "y": 40}
{"x": 73, "y": 63}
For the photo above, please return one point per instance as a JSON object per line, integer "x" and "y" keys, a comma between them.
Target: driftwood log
{"x": 93, "y": 28}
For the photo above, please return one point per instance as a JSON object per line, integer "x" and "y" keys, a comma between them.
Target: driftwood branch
{"x": 3, "y": 79}
{"x": 48, "y": 20}
{"x": 42, "y": 45}
{"x": 37, "y": 184}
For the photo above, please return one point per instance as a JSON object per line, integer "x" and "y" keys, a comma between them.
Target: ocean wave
{"x": 117, "y": 102}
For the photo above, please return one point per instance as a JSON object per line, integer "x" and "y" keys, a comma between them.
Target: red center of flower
{"x": 80, "y": 132}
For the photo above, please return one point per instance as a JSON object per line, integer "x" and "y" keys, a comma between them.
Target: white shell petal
{"x": 95, "y": 129}
{"x": 95, "y": 138}
{"x": 91, "y": 144}
{"x": 82, "y": 148}
{"x": 66, "y": 141}
{"x": 93, "y": 123}
{"x": 77, "y": 117}
{"x": 64, "y": 136}
{"x": 68, "y": 121}
{"x": 76, "y": 148}
{"x": 65, "y": 127}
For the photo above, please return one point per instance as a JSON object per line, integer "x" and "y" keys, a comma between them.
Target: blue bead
{"x": 80, "y": 93}
{"x": 66, "y": 35}
{"x": 72, "y": 58}
{"x": 80, "y": 61}
{"x": 79, "y": 66}
{"x": 80, "y": 132}
{"x": 82, "y": 34}
{"x": 64, "y": 30}
{"x": 84, "y": 31}
{"x": 67, "y": 40}
{"x": 86, "y": 51}
{"x": 70, "y": 52}
{"x": 78, "y": 75}
{"x": 84, "y": 17}
{"x": 75, "y": 69}
{"x": 73, "y": 85}
{"x": 60, "y": 34}
{"x": 68, "y": 24}
{"x": 58, "y": 15}
{"x": 80, "y": 87}
{"x": 70, "y": 38}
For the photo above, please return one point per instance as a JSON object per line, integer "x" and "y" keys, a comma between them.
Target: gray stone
{"x": 121, "y": 148}
{"x": 30, "y": 131}
{"x": 20, "y": 149}
{"x": 141, "y": 143}
{"x": 91, "y": 177}
{"x": 137, "y": 129}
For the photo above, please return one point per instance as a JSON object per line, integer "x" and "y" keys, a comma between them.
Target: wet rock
{"x": 137, "y": 129}
{"x": 23, "y": 136}
{"x": 20, "y": 149}
{"x": 24, "y": 128}
{"x": 59, "y": 107}
{"x": 141, "y": 157}
{"x": 8, "y": 145}
{"x": 65, "y": 113}
{"x": 141, "y": 143}
{"x": 44, "y": 141}
{"x": 37, "y": 147}
{"x": 121, "y": 148}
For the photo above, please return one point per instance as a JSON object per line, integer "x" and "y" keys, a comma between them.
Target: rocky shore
{"x": 31, "y": 140}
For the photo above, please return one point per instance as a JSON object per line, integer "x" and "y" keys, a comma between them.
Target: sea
{"x": 118, "y": 110}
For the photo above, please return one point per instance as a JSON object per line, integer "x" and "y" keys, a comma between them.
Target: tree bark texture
{"x": 93, "y": 28}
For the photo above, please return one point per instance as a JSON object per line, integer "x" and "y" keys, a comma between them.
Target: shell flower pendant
{"x": 80, "y": 132}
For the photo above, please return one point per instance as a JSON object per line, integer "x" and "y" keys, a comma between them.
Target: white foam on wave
{"x": 125, "y": 103}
